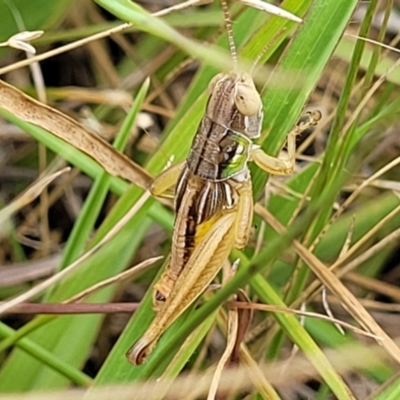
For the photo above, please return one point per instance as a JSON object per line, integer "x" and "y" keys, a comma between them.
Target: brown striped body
{"x": 216, "y": 163}
{"x": 213, "y": 195}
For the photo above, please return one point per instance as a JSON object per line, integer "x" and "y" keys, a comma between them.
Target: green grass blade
{"x": 48, "y": 359}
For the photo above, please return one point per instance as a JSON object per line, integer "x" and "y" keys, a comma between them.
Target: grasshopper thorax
{"x": 233, "y": 117}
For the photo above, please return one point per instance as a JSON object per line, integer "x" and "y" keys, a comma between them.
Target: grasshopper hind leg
{"x": 163, "y": 287}
{"x": 244, "y": 216}
{"x": 164, "y": 185}
{"x": 274, "y": 165}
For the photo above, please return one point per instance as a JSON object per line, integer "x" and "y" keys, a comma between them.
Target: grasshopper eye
{"x": 159, "y": 296}
{"x": 247, "y": 99}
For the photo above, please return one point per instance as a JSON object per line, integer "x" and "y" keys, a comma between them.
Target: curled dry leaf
{"x": 20, "y": 41}
{"x": 67, "y": 129}
{"x": 21, "y": 45}
{"x": 26, "y": 36}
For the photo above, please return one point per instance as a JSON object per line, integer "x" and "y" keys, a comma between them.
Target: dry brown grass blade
{"x": 63, "y": 49}
{"x": 130, "y": 273}
{"x": 28, "y": 196}
{"x": 260, "y": 380}
{"x": 67, "y": 129}
{"x": 233, "y": 326}
{"x": 245, "y": 317}
{"x": 353, "y": 264}
{"x": 240, "y": 354}
{"x": 231, "y": 338}
{"x": 112, "y": 97}
{"x": 374, "y": 285}
{"x": 348, "y": 300}
{"x": 19, "y": 273}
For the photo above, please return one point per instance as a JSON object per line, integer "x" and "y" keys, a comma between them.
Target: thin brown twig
{"x": 74, "y": 308}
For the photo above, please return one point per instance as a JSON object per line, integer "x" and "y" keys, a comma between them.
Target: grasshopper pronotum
{"x": 213, "y": 195}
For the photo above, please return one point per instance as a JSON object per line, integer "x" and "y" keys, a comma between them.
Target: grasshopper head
{"x": 235, "y": 103}
{"x": 246, "y": 97}
{"x": 242, "y": 89}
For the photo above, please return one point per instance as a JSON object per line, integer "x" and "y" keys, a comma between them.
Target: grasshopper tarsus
{"x": 310, "y": 119}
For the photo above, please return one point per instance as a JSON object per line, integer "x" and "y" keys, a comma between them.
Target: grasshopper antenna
{"x": 265, "y": 49}
{"x": 229, "y": 32}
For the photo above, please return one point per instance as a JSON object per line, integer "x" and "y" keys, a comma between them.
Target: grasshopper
{"x": 213, "y": 195}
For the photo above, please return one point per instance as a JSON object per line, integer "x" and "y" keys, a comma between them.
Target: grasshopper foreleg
{"x": 280, "y": 166}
